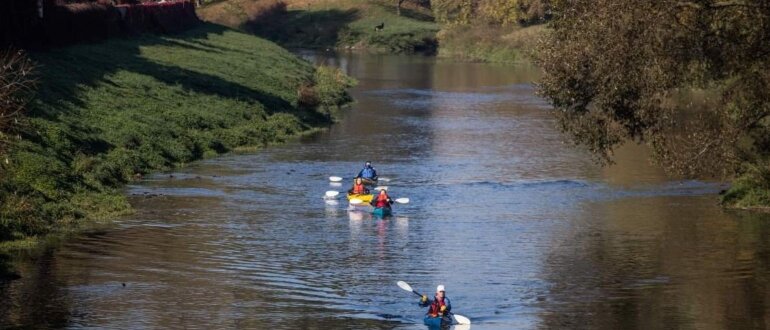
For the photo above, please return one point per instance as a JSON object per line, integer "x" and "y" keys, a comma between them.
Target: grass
{"x": 489, "y": 43}
{"x": 750, "y": 191}
{"x": 107, "y": 113}
{"x": 340, "y": 24}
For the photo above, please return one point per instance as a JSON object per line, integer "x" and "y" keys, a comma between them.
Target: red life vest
{"x": 382, "y": 201}
{"x": 359, "y": 189}
{"x": 435, "y": 307}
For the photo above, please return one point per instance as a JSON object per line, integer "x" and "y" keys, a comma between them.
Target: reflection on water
{"x": 524, "y": 231}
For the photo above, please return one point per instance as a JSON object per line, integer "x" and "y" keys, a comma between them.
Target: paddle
{"x": 335, "y": 179}
{"x": 378, "y": 188}
{"x": 331, "y": 194}
{"x": 459, "y": 318}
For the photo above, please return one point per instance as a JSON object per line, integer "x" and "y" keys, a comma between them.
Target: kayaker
{"x": 382, "y": 200}
{"x": 439, "y": 306}
{"x": 368, "y": 172}
{"x": 358, "y": 187}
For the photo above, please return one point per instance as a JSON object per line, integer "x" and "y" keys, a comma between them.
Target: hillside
{"x": 107, "y": 113}
{"x": 324, "y": 24}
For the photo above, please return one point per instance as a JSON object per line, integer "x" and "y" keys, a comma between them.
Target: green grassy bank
{"x": 484, "y": 43}
{"x": 750, "y": 190}
{"x": 333, "y": 24}
{"x": 105, "y": 114}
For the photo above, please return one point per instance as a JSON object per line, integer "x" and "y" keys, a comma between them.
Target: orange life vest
{"x": 359, "y": 189}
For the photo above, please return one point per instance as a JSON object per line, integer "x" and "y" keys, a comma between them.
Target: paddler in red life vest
{"x": 439, "y": 305}
{"x": 358, "y": 187}
{"x": 382, "y": 200}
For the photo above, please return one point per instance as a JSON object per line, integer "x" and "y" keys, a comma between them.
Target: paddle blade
{"x": 332, "y": 193}
{"x": 356, "y": 201}
{"x": 383, "y": 179}
{"x": 404, "y": 285}
{"x": 335, "y": 179}
{"x": 461, "y": 319}
{"x": 402, "y": 200}
{"x": 381, "y": 188}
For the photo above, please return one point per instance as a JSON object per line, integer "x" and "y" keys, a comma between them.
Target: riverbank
{"x": 345, "y": 24}
{"x": 481, "y": 43}
{"x": 106, "y": 114}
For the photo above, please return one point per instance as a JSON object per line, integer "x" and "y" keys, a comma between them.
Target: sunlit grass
{"x": 107, "y": 113}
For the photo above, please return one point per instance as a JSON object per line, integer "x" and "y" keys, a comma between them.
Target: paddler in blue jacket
{"x": 439, "y": 306}
{"x": 368, "y": 172}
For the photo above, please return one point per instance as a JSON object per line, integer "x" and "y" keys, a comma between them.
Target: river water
{"x": 524, "y": 230}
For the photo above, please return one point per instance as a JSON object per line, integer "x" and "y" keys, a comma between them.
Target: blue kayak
{"x": 382, "y": 211}
{"x": 437, "y": 322}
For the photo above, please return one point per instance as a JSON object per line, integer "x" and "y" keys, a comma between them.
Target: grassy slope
{"x": 489, "y": 44}
{"x": 349, "y": 24}
{"x": 105, "y": 113}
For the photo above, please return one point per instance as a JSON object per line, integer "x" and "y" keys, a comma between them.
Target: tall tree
{"x": 627, "y": 70}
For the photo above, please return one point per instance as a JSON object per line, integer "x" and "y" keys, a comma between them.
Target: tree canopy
{"x": 497, "y": 12}
{"x": 690, "y": 78}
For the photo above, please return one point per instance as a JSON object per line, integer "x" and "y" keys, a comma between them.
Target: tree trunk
{"x": 398, "y": 7}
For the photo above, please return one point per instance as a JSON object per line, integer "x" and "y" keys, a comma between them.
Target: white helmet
{"x": 440, "y": 288}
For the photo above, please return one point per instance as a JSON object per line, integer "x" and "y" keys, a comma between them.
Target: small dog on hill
{"x": 379, "y": 27}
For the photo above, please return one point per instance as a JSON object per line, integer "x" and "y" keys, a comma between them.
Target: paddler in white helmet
{"x": 439, "y": 306}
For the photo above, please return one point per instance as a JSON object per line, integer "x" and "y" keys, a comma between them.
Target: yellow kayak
{"x": 366, "y": 198}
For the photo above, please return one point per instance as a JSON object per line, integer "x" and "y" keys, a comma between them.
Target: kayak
{"x": 369, "y": 182}
{"x": 366, "y": 198}
{"x": 437, "y": 322}
{"x": 382, "y": 211}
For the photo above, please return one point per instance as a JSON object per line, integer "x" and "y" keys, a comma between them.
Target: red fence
{"x": 62, "y": 23}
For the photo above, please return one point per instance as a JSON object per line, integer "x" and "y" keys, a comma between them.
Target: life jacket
{"x": 359, "y": 189}
{"x": 382, "y": 201}
{"x": 435, "y": 307}
{"x": 367, "y": 172}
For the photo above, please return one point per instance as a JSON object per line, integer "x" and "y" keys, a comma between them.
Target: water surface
{"x": 524, "y": 230}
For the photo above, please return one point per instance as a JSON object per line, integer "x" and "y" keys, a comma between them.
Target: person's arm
{"x": 374, "y": 173}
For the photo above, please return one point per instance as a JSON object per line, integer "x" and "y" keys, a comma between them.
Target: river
{"x": 524, "y": 230}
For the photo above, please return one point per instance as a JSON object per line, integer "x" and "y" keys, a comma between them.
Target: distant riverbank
{"x": 373, "y": 25}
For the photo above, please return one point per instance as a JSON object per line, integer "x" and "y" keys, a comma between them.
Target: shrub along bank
{"x": 106, "y": 113}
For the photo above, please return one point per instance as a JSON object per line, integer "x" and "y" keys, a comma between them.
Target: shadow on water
{"x": 624, "y": 266}
{"x": 39, "y": 300}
